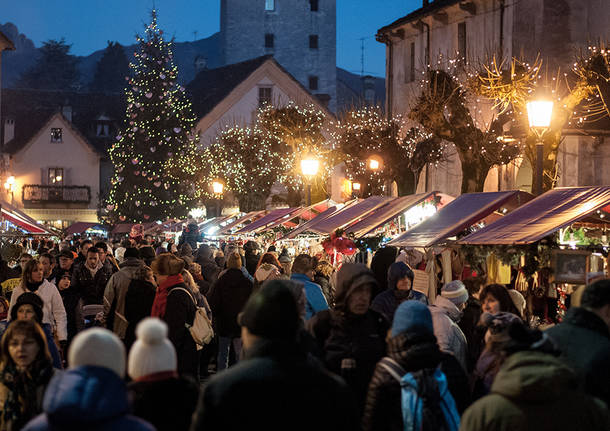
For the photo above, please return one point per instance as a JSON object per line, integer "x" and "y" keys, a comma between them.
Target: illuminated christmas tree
{"x": 154, "y": 157}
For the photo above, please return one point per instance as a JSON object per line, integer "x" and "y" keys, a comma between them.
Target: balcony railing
{"x": 33, "y": 194}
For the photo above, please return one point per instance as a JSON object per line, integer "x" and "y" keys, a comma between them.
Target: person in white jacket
{"x": 53, "y": 311}
{"x": 446, "y": 312}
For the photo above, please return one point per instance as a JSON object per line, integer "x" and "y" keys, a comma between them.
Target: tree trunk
{"x": 406, "y": 183}
{"x": 474, "y": 173}
{"x": 252, "y": 202}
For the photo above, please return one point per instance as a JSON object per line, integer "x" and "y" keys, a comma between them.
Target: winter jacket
{"x": 53, "y": 311}
{"x": 345, "y": 338}
{"x": 209, "y": 268}
{"x": 251, "y": 261}
{"x": 138, "y": 304}
{"x": 275, "y": 388}
{"x": 474, "y": 334}
{"x": 450, "y": 337}
{"x": 180, "y": 312}
{"x": 388, "y": 301}
{"x": 152, "y": 398}
{"x": 535, "y": 391}
{"x": 584, "y": 341}
{"x": 90, "y": 287}
{"x": 114, "y": 296}
{"x": 73, "y": 305}
{"x": 324, "y": 283}
{"x": 227, "y": 298}
{"x": 413, "y": 352}
{"x": 86, "y": 398}
{"x": 313, "y": 292}
{"x": 191, "y": 236}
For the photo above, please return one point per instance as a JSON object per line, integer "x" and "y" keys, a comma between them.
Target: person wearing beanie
{"x": 446, "y": 313}
{"x": 411, "y": 344}
{"x": 275, "y": 387}
{"x": 29, "y": 307}
{"x": 91, "y": 394}
{"x": 352, "y": 336}
{"x": 156, "y": 388}
{"x": 400, "y": 288}
{"x": 534, "y": 390}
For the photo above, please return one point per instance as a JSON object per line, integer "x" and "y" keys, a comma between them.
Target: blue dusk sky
{"x": 89, "y": 24}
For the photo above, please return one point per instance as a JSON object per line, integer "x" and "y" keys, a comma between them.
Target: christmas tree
{"x": 155, "y": 153}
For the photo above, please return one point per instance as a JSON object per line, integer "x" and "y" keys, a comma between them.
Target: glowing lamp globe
{"x": 217, "y": 187}
{"x": 309, "y": 166}
{"x": 539, "y": 113}
{"x": 356, "y": 186}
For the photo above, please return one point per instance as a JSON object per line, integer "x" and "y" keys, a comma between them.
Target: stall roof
{"x": 215, "y": 222}
{"x": 269, "y": 218}
{"x": 348, "y": 214}
{"x": 386, "y": 213}
{"x": 79, "y": 227}
{"x": 249, "y": 216}
{"x": 304, "y": 227}
{"x": 462, "y": 212}
{"x": 542, "y": 216}
{"x": 21, "y": 219}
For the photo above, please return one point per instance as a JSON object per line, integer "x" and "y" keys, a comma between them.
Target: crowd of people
{"x": 102, "y": 335}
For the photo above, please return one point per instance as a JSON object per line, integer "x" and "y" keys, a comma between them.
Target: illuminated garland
{"x": 154, "y": 157}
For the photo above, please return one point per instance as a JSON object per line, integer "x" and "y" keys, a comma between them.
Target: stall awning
{"x": 554, "y": 210}
{"x": 79, "y": 227}
{"x": 21, "y": 219}
{"x": 459, "y": 214}
{"x": 269, "y": 218}
{"x": 386, "y": 213}
{"x": 348, "y": 215}
{"x": 212, "y": 227}
{"x": 249, "y": 216}
{"x": 304, "y": 227}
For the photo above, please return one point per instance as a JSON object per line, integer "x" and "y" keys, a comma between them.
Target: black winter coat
{"x": 180, "y": 311}
{"x": 167, "y": 404}
{"x": 138, "y": 304}
{"x": 91, "y": 288}
{"x": 73, "y": 305}
{"x": 227, "y": 297}
{"x": 275, "y": 389}
{"x": 251, "y": 261}
{"x": 474, "y": 333}
{"x": 382, "y": 411}
{"x": 341, "y": 335}
{"x": 584, "y": 341}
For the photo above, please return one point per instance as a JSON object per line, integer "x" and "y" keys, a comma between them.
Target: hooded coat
{"x": 191, "y": 235}
{"x": 209, "y": 268}
{"x": 584, "y": 341}
{"x": 388, "y": 301}
{"x": 535, "y": 391}
{"x": 86, "y": 398}
{"x": 413, "y": 351}
{"x": 451, "y": 339}
{"x": 343, "y": 336}
{"x": 227, "y": 298}
{"x": 114, "y": 296}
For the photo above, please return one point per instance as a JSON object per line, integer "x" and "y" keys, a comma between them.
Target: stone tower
{"x": 300, "y": 34}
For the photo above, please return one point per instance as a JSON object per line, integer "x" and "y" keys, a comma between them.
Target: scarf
{"x": 33, "y": 286}
{"x": 160, "y": 302}
{"x": 21, "y": 403}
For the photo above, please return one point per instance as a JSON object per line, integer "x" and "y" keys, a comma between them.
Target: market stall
{"x": 17, "y": 219}
{"x": 235, "y": 225}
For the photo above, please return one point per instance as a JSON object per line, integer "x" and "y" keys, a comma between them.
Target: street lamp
{"x": 9, "y": 185}
{"x": 309, "y": 169}
{"x": 539, "y": 114}
{"x": 218, "y": 188}
{"x": 356, "y": 188}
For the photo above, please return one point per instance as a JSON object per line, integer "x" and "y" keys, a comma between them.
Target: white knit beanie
{"x": 152, "y": 352}
{"x": 98, "y": 347}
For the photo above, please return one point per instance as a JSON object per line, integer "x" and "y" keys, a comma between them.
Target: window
{"x": 56, "y": 176}
{"x": 313, "y": 5}
{"x": 264, "y": 96}
{"x": 269, "y": 4}
{"x": 269, "y": 40}
{"x": 56, "y": 135}
{"x": 462, "y": 40}
{"x": 313, "y": 82}
{"x": 313, "y": 41}
{"x": 103, "y": 129}
{"x": 412, "y": 62}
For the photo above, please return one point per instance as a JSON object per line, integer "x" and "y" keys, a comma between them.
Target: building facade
{"x": 476, "y": 30}
{"x": 300, "y": 34}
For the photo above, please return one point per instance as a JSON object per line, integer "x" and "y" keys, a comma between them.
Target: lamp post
{"x": 9, "y": 185}
{"x": 539, "y": 114}
{"x": 356, "y": 188}
{"x": 309, "y": 169}
{"x": 217, "y": 188}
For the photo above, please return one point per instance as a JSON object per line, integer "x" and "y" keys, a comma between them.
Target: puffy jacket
{"x": 535, "y": 391}
{"x": 313, "y": 292}
{"x": 114, "y": 296}
{"x": 382, "y": 411}
{"x": 90, "y": 287}
{"x": 53, "y": 311}
{"x": 584, "y": 341}
{"x": 450, "y": 337}
{"x": 227, "y": 298}
{"x": 86, "y": 398}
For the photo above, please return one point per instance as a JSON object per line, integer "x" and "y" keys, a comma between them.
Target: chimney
{"x": 9, "y": 130}
{"x": 368, "y": 89}
{"x": 66, "y": 111}
{"x": 323, "y": 98}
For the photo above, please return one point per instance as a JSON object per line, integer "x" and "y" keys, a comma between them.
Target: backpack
{"x": 426, "y": 402}
{"x": 201, "y": 329}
